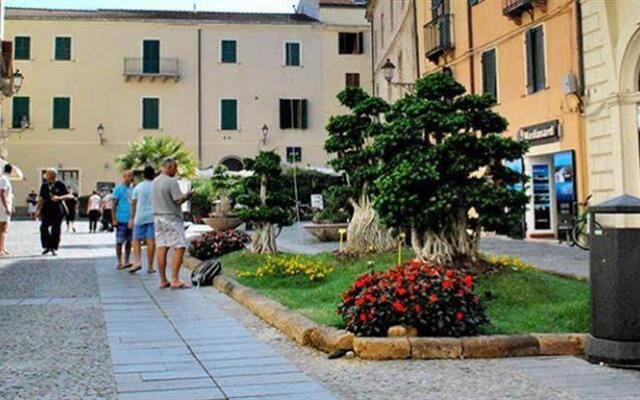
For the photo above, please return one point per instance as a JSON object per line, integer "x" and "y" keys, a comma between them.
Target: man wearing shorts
{"x": 142, "y": 221}
{"x": 6, "y": 206}
{"x": 169, "y": 225}
{"x": 120, "y": 218}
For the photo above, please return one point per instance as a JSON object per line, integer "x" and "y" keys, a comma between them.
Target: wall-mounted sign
{"x": 317, "y": 201}
{"x": 545, "y": 132}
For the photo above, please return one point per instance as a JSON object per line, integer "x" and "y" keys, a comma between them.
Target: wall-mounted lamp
{"x": 100, "y": 130}
{"x": 265, "y": 133}
{"x": 389, "y": 69}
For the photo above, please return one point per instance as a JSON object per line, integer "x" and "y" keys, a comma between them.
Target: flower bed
{"x": 218, "y": 243}
{"x": 290, "y": 266}
{"x": 434, "y": 300}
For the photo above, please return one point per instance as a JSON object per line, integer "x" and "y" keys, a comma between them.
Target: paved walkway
{"x": 74, "y": 328}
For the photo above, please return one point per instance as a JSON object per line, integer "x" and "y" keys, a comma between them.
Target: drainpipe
{"x": 472, "y": 75}
{"x": 200, "y": 97}
{"x": 580, "y": 43}
{"x": 373, "y": 60}
{"x": 415, "y": 29}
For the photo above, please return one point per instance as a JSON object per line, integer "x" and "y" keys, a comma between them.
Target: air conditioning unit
{"x": 570, "y": 83}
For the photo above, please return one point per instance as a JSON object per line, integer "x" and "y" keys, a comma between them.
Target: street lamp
{"x": 265, "y": 133}
{"x": 100, "y": 130}
{"x": 389, "y": 69}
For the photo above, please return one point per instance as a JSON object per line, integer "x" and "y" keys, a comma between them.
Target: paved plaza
{"x": 72, "y": 327}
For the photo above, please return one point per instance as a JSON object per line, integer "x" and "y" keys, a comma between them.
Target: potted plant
{"x": 335, "y": 216}
{"x": 201, "y": 203}
{"x": 223, "y": 217}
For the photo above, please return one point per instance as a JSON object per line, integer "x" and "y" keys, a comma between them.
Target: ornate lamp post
{"x": 100, "y": 130}
{"x": 389, "y": 70}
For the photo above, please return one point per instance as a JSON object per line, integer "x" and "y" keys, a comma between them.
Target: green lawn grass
{"x": 519, "y": 301}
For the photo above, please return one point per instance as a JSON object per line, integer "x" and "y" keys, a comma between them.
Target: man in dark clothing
{"x": 50, "y": 210}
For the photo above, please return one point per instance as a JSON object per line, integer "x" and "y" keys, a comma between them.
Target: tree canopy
{"x": 152, "y": 150}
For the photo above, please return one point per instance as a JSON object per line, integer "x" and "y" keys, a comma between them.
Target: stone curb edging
{"x": 308, "y": 333}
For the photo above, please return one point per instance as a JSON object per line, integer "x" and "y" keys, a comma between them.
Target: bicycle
{"x": 580, "y": 233}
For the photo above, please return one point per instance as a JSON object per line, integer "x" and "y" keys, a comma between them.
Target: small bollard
{"x": 402, "y": 237}
{"x": 342, "y": 232}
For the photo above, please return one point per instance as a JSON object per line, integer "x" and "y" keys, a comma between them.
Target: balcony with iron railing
{"x": 515, "y": 8}
{"x": 158, "y": 68}
{"x": 438, "y": 36}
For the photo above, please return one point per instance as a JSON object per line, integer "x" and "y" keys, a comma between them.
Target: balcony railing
{"x": 141, "y": 68}
{"x": 438, "y": 36}
{"x": 515, "y": 8}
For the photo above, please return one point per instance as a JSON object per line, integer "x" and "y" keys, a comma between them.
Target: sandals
{"x": 121, "y": 267}
{"x": 135, "y": 268}
{"x": 164, "y": 285}
{"x": 181, "y": 285}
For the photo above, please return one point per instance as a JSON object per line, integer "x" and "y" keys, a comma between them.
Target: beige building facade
{"x": 214, "y": 80}
{"x": 611, "y": 42}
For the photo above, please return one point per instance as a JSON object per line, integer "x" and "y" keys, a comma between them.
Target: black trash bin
{"x": 615, "y": 287}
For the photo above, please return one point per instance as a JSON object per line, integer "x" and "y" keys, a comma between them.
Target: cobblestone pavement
{"x": 58, "y": 343}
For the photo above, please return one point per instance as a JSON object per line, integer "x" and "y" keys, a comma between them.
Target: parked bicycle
{"x": 580, "y": 234}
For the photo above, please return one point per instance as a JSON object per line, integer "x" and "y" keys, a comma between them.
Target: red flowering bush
{"x": 435, "y": 300}
{"x": 217, "y": 243}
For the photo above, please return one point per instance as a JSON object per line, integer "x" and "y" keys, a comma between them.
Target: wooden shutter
{"x": 150, "y": 113}
{"x": 353, "y": 80}
{"x": 61, "y": 112}
{"x": 63, "y": 48}
{"x": 285, "y": 114}
{"x": 229, "y": 54}
{"x": 360, "y": 49}
{"x": 489, "y": 77}
{"x": 229, "y": 114}
{"x": 7, "y": 59}
{"x": 342, "y": 43}
{"x": 151, "y": 56}
{"x": 530, "y": 57}
{"x": 22, "y": 47}
{"x": 304, "y": 118}
{"x": 20, "y": 109}
{"x": 293, "y": 54}
{"x": 540, "y": 76}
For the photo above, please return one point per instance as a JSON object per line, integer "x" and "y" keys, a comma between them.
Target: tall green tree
{"x": 152, "y": 150}
{"x": 349, "y": 141}
{"x": 267, "y": 200}
{"x": 443, "y": 169}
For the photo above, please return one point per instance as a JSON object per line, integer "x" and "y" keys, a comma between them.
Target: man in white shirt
{"x": 93, "y": 210}
{"x": 6, "y": 206}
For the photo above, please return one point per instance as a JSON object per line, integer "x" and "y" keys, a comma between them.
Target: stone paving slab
{"x": 169, "y": 344}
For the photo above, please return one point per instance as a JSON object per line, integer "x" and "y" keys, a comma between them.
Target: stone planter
{"x": 220, "y": 223}
{"x": 326, "y": 232}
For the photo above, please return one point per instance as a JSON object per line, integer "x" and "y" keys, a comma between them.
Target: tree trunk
{"x": 365, "y": 234}
{"x": 264, "y": 239}
{"x": 453, "y": 242}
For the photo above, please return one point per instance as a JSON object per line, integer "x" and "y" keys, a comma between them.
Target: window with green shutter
{"x": 489, "y": 73}
{"x": 22, "y": 48}
{"x": 20, "y": 111}
{"x": 229, "y": 114}
{"x": 150, "y": 113}
{"x": 63, "y": 48}
{"x": 294, "y": 154}
{"x": 292, "y": 54}
{"x": 61, "y": 112}
{"x": 534, "y": 44}
{"x": 228, "y": 51}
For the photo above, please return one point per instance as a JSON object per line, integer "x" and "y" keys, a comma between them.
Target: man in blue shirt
{"x": 142, "y": 220}
{"x": 121, "y": 218}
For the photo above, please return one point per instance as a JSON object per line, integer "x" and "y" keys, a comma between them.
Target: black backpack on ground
{"x": 205, "y": 272}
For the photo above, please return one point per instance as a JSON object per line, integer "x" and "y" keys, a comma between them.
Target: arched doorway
{"x": 232, "y": 163}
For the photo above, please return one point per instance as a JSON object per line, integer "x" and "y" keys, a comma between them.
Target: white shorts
{"x": 32, "y": 208}
{"x": 3, "y": 215}
{"x": 170, "y": 232}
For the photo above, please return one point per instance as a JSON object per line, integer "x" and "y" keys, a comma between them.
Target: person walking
{"x": 169, "y": 224}
{"x": 71, "y": 208}
{"x": 32, "y": 204}
{"x": 120, "y": 219}
{"x": 142, "y": 221}
{"x": 93, "y": 211}
{"x": 6, "y": 207}
{"x": 50, "y": 210}
{"x": 107, "y": 212}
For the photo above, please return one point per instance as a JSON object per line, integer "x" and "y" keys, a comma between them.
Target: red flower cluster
{"x": 217, "y": 243}
{"x": 435, "y": 300}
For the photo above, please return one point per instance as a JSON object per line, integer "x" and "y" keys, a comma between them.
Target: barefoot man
{"x": 169, "y": 225}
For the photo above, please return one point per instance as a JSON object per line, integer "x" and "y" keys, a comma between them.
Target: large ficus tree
{"x": 349, "y": 140}
{"x": 443, "y": 173}
{"x": 266, "y": 199}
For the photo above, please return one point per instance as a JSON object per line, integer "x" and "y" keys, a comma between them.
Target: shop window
{"x": 293, "y": 114}
{"x": 352, "y": 80}
{"x": 351, "y": 43}
{"x": 534, "y": 44}
{"x": 489, "y": 73}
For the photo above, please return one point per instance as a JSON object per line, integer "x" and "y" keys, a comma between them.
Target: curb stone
{"x": 328, "y": 339}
